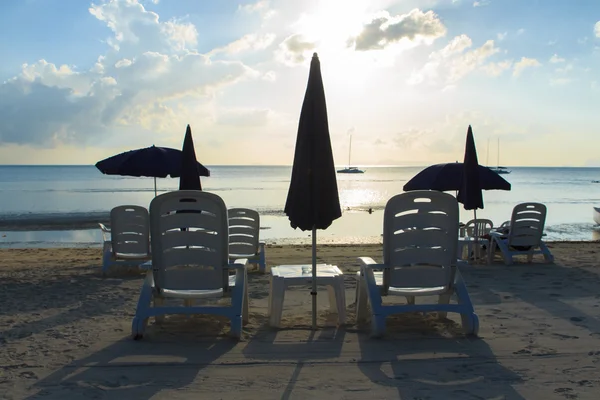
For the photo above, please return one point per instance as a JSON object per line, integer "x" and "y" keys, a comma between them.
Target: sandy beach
{"x": 64, "y": 334}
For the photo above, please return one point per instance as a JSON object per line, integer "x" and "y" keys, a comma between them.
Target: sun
{"x": 333, "y": 22}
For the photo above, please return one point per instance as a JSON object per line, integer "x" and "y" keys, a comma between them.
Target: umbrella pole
{"x": 477, "y": 251}
{"x": 154, "y": 186}
{"x": 314, "y": 278}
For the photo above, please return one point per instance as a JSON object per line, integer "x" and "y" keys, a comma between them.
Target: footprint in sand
{"x": 563, "y": 337}
{"x": 577, "y": 319}
{"x": 566, "y": 392}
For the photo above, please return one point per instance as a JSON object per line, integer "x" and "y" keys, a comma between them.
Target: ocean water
{"x": 72, "y": 194}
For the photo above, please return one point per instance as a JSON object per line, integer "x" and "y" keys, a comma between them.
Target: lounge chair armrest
{"x": 240, "y": 263}
{"x": 497, "y": 234}
{"x": 104, "y": 227}
{"x": 368, "y": 262}
{"x": 105, "y": 231}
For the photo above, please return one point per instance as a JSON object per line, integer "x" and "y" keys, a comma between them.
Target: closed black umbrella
{"x": 470, "y": 193}
{"x": 190, "y": 177}
{"x": 313, "y": 201}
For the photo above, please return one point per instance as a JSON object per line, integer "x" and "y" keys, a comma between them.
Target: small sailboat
{"x": 349, "y": 169}
{"x": 498, "y": 169}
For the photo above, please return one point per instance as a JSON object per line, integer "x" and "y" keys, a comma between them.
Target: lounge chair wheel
{"x": 474, "y": 331}
{"x": 138, "y": 327}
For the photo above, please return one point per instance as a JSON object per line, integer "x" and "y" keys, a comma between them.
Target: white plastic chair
{"x": 474, "y": 229}
{"x": 129, "y": 242}
{"x": 420, "y": 235}
{"x": 526, "y": 229}
{"x": 190, "y": 261}
{"x": 244, "y": 237}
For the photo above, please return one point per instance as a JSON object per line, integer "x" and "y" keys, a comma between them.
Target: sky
{"x": 81, "y": 81}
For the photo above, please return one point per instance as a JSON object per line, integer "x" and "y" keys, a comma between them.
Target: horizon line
{"x": 290, "y": 165}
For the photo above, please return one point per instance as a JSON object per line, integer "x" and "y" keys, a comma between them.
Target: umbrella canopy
{"x": 313, "y": 201}
{"x": 470, "y": 193}
{"x": 445, "y": 177}
{"x": 157, "y": 162}
{"x": 190, "y": 178}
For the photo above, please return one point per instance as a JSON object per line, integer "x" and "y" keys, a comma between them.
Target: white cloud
{"x": 295, "y": 49}
{"x": 524, "y": 63}
{"x": 520, "y": 31}
{"x": 384, "y": 30}
{"x": 481, "y": 3}
{"x": 244, "y": 117}
{"x": 251, "y": 41}
{"x": 261, "y": 7}
{"x": 555, "y": 59}
{"x": 453, "y": 62}
{"x": 560, "y": 81}
{"x": 502, "y": 36}
{"x": 132, "y": 87}
{"x": 497, "y": 68}
{"x": 597, "y": 29}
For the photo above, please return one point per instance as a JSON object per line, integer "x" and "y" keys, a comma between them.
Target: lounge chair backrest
{"x": 527, "y": 224}
{"x": 244, "y": 229}
{"x": 420, "y": 236}
{"x": 189, "y": 241}
{"x": 130, "y": 230}
{"x": 478, "y": 227}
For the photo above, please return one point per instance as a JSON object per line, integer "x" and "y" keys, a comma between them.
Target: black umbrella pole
{"x": 154, "y": 186}
{"x": 477, "y": 249}
{"x": 314, "y": 278}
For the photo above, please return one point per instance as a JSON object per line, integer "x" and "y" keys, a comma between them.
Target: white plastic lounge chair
{"x": 525, "y": 233}
{"x": 129, "y": 242}
{"x": 190, "y": 261}
{"x": 244, "y": 242}
{"x": 420, "y": 235}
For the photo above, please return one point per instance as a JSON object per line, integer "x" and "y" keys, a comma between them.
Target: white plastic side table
{"x": 284, "y": 276}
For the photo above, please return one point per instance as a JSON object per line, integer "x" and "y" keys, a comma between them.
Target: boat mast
{"x": 498, "y": 158}
{"x": 349, "y": 151}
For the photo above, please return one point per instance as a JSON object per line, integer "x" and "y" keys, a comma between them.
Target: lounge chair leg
{"x": 362, "y": 306}
{"x": 158, "y": 302}
{"x": 140, "y": 321}
{"x": 246, "y": 301}
{"x": 410, "y": 299}
{"x": 377, "y": 325}
{"x": 443, "y": 299}
{"x": 262, "y": 259}
{"x": 236, "y": 327}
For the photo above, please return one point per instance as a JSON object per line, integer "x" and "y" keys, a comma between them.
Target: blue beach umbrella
{"x": 446, "y": 177}
{"x": 155, "y": 162}
{"x": 313, "y": 201}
